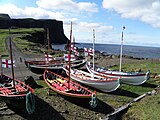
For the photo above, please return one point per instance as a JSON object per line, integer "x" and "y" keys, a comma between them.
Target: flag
{"x": 48, "y": 57}
{"x": 7, "y": 63}
{"x": 77, "y": 53}
{"x": 74, "y": 49}
{"x": 66, "y": 57}
{"x": 88, "y": 51}
{"x": 91, "y": 51}
{"x": 85, "y": 51}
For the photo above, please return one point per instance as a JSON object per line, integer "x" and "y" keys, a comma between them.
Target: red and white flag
{"x": 77, "y": 53}
{"x": 85, "y": 51}
{"x": 48, "y": 57}
{"x": 88, "y": 51}
{"x": 74, "y": 49}
{"x": 66, "y": 57}
{"x": 91, "y": 51}
{"x": 7, "y": 63}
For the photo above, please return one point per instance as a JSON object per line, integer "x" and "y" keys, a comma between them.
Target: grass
{"x": 3, "y": 35}
{"x": 146, "y": 109}
{"x": 23, "y": 44}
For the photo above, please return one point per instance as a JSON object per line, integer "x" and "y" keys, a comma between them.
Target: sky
{"x": 141, "y": 18}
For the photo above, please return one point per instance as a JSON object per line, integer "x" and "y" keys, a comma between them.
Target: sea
{"x": 129, "y": 50}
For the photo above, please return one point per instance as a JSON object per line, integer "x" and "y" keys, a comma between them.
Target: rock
{"x": 29, "y": 80}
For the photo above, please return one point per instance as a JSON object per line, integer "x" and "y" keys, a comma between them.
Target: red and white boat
{"x": 132, "y": 78}
{"x": 99, "y": 82}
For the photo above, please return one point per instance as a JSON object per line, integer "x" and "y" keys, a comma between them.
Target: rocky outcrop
{"x": 55, "y": 28}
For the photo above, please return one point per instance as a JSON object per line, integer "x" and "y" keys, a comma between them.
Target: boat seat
{"x": 19, "y": 88}
{"x": 66, "y": 84}
{"x": 56, "y": 85}
{"x": 5, "y": 91}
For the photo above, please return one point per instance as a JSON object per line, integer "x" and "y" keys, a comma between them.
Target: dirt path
{"x": 20, "y": 71}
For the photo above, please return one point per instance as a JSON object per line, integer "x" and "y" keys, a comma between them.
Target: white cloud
{"x": 29, "y": 12}
{"x": 68, "y": 5}
{"x": 11, "y": 9}
{"x": 146, "y": 11}
{"x": 84, "y": 31}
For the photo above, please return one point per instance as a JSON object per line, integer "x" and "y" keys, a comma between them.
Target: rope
{"x": 93, "y": 102}
{"x": 30, "y": 103}
{"x": 148, "y": 75}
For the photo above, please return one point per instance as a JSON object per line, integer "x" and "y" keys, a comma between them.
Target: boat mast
{"x": 93, "y": 48}
{"x": 120, "y": 66}
{"x": 48, "y": 40}
{"x": 69, "y": 56}
{"x": 11, "y": 57}
{"x": 1, "y": 65}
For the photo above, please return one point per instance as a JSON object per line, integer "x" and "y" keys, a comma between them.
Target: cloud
{"x": 68, "y": 5}
{"x": 83, "y": 31}
{"x": 29, "y": 12}
{"x": 145, "y": 11}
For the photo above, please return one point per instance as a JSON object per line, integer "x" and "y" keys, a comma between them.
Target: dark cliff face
{"x": 5, "y": 21}
{"x": 55, "y": 28}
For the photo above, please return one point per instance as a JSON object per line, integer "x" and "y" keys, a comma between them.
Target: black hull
{"x": 17, "y": 101}
{"x": 41, "y": 70}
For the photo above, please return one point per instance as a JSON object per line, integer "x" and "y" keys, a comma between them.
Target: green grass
{"x": 23, "y": 44}
{"x": 3, "y": 35}
{"x": 25, "y": 30}
{"x": 146, "y": 109}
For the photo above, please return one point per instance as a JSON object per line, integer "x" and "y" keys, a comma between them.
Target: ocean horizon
{"x": 129, "y": 50}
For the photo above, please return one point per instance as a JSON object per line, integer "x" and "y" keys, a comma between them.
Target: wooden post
{"x": 48, "y": 40}
{"x": 69, "y": 56}
{"x": 120, "y": 66}
{"x": 10, "y": 38}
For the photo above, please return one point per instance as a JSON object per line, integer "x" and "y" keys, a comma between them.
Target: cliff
{"x": 55, "y": 28}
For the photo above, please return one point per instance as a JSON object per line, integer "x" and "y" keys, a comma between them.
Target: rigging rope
{"x": 30, "y": 103}
{"x": 93, "y": 102}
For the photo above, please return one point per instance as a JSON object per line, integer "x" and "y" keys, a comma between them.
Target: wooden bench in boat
{"x": 5, "y": 91}
{"x": 20, "y": 88}
{"x": 66, "y": 84}
{"x": 56, "y": 85}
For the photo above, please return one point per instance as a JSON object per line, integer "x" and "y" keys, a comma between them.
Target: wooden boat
{"x": 14, "y": 92}
{"x": 132, "y": 78}
{"x": 66, "y": 87}
{"x": 56, "y": 67}
{"x": 101, "y": 83}
{"x": 42, "y": 62}
{"x": 17, "y": 94}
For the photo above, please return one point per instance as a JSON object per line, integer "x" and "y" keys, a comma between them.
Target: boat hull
{"x": 39, "y": 69}
{"x": 13, "y": 96}
{"x": 101, "y": 83}
{"x": 55, "y": 85}
{"x": 127, "y": 78}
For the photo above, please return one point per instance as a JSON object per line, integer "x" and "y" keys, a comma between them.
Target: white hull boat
{"x": 132, "y": 78}
{"x": 101, "y": 83}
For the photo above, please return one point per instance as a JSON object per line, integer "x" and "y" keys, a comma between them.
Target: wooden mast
{"x": 69, "y": 56}
{"x": 11, "y": 58}
{"x": 1, "y": 65}
{"x": 120, "y": 66}
{"x": 48, "y": 40}
{"x": 93, "y": 49}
